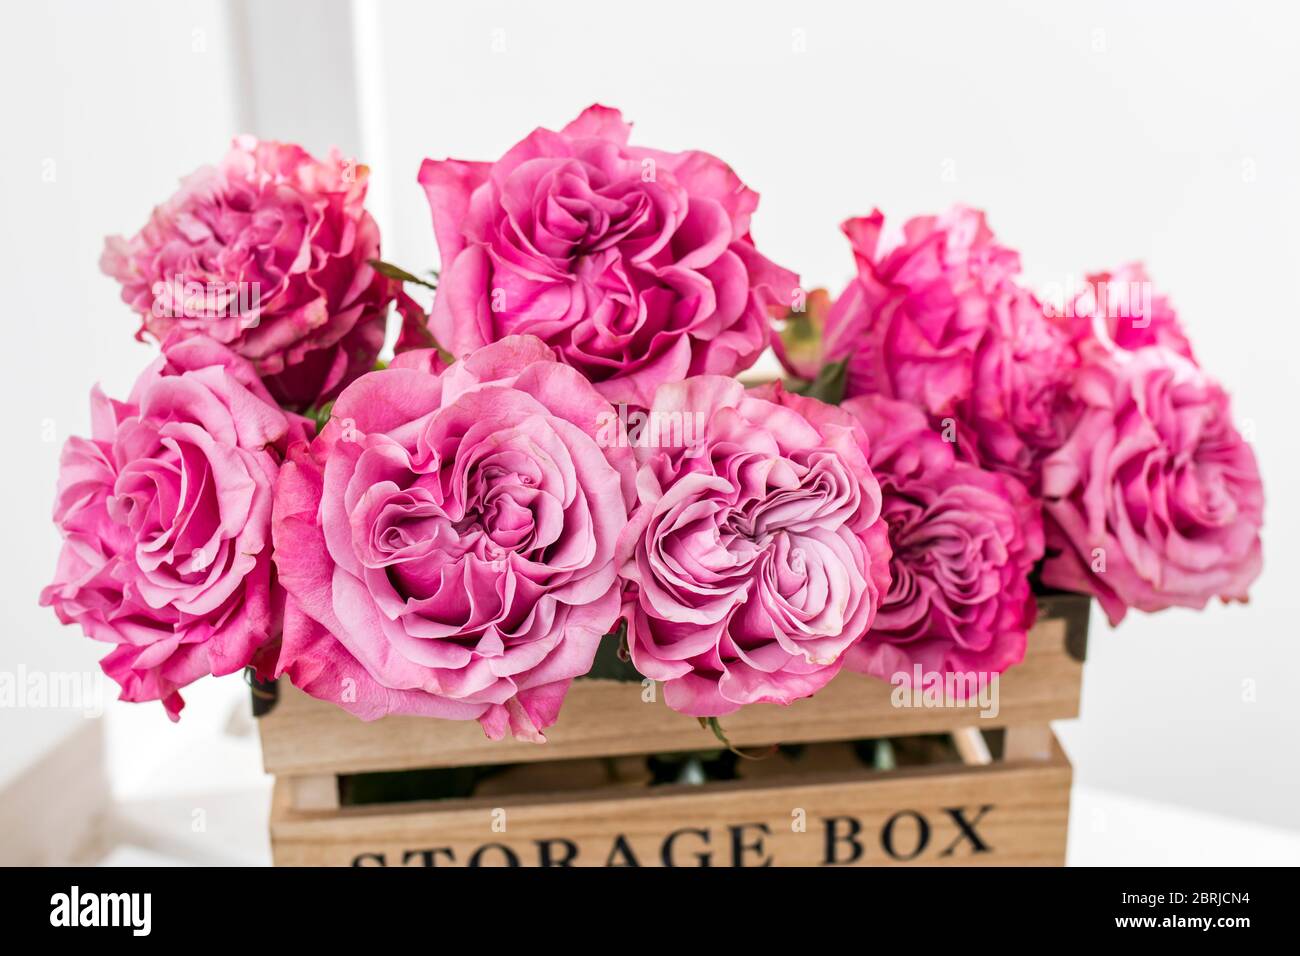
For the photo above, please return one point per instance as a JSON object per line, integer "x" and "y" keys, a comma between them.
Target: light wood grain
{"x": 1018, "y": 809}
{"x": 971, "y": 745}
{"x": 303, "y": 735}
{"x": 316, "y": 791}
{"x": 1028, "y": 742}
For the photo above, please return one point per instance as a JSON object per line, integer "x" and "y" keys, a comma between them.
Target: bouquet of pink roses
{"x": 560, "y": 459}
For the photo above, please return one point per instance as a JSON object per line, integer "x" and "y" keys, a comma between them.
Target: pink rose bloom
{"x": 634, "y": 264}
{"x": 937, "y": 319}
{"x": 1134, "y": 316}
{"x": 267, "y": 252}
{"x": 757, "y": 556}
{"x": 964, "y": 541}
{"x": 447, "y": 541}
{"x": 165, "y": 514}
{"x": 1155, "y": 499}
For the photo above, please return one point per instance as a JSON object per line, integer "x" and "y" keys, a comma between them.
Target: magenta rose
{"x": 165, "y": 513}
{"x": 964, "y": 541}
{"x": 757, "y": 555}
{"x": 1155, "y": 499}
{"x": 448, "y": 540}
{"x": 937, "y": 319}
{"x": 1125, "y": 303}
{"x": 267, "y": 252}
{"x": 634, "y": 264}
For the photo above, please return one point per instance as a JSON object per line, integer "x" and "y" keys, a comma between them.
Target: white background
{"x": 1093, "y": 134}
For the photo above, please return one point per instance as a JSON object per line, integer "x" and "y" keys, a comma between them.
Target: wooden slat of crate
{"x": 302, "y": 735}
{"x": 1018, "y": 811}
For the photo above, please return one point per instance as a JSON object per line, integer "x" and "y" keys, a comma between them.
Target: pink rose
{"x": 757, "y": 556}
{"x": 1134, "y": 316}
{"x": 938, "y": 320}
{"x": 447, "y": 541}
{"x": 1155, "y": 499}
{"x": 165, "y": 514}
{"x": 635, "y": 265}
{"x": 267, "y": 252}
{"x": 964, "y": 541}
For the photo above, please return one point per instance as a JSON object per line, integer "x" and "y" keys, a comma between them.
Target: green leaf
{"x": 828, "y": 386}
{"x": 321, "y": 415}
{"x": 400, "y": 274}
{"x": 712, "y": 723}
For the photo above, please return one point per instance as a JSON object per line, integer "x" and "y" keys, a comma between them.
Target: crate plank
{"x": 1005, "y": 813}
{"x": 302, "y": 735}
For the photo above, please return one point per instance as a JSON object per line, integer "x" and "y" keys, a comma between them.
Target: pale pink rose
{"x": 634, "y": 265}
{"x": 757, "y": 556}
{"x": 937, "y": 319}
{"x": 964, "y": 542}
{"x": 268, "y": 253}
{"x": 447, "y": 541}
{"x": 1134, "y": 315}
{"x": 1155, "y": 500}
{"x": 165, "y": 513}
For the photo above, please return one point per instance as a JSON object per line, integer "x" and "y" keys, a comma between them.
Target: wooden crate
{"x": 589, "y": 805}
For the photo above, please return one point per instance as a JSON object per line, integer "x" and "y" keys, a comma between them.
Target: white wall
{"x": 1092, "y": 133}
